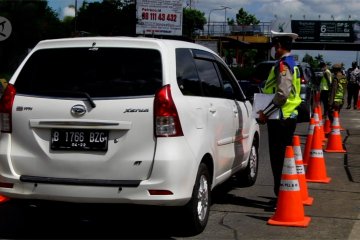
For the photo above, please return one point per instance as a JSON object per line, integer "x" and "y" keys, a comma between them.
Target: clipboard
{"x": 261, "y": 101}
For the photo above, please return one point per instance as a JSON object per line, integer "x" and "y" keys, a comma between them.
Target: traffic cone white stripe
{"x": 289, "y": 166}
{"x": 335, "y": 131}
{"x": 300, "y": 169}
{"x": 317, "y": 153}
{"x": 290, "y": 185}
{"x": 311, "y": 129}
{"x": 297, "y": 153}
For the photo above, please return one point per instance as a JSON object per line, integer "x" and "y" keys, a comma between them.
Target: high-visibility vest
{"x": 340, "y": 90}
{"x": 323, "y": 82}
{"x": 294, "y": 100}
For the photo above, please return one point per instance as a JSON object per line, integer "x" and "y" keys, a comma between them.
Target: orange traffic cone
{"x": 321, "y": 122}
{"x": 289, "y": 208}
{"x": 317, "y": 98}
{"x": 316, "y": 169}
{"x": 318, "y": 122}
{"x": 336, "y": 120}
{"x": 308, "y": 141}
{"x": 306, "y": 200}
{"x": 335, "y": 143}
{"x": 327, "y": 126}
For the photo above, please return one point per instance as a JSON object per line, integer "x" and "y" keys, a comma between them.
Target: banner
{"x": 159, "y": 17}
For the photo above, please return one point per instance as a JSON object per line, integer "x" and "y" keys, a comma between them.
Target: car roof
{"x": 136, "y": 42}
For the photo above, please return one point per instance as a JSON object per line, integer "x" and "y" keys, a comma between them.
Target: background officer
{"x": 325, "y": 84}
{"x": 338, "y": 90}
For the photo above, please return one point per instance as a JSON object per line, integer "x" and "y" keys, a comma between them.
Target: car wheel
{"x": 247, "y": 177}
{"x": 197, "y": 210}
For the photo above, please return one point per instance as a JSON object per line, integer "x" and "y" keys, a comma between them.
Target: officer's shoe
{"x": 348, "y": 107}
{"x": 271, "y": 205}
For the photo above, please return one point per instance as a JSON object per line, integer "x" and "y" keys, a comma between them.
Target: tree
{"x": 31, "y": 22}
{"x": 315, "y": 61}
{"x": 192, "y": 20}
{"x": 107, "y": 18}
{"x": 244, "y": 18}
{"x": 247, "y": 57}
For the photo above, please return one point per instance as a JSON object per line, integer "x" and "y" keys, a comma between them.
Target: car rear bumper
{"x": 92, "y": 194}
{"x": 173, "y": 175}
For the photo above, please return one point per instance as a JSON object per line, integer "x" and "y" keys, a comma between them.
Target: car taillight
{"x": 166, "y": 118}
{"x": 303, "y": 81}
{"x": 6, "y": 104}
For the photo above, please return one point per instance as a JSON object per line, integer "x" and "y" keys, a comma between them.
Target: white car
{"x": 125, "y": 120}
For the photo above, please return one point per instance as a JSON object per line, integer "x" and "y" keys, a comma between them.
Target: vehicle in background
{"x": 308, "y": 86}
{"x": 318, "y": 75}
{"x": 126, "y": 120}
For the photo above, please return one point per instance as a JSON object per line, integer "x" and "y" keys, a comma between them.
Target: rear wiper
{"x": 92, "y": 103}
{"x": 72, "y": 93}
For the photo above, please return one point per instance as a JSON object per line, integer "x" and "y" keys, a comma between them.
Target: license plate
{"x": 79, "y": 139}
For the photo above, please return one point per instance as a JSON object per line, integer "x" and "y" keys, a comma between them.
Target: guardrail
{"x": 223, "y": 29}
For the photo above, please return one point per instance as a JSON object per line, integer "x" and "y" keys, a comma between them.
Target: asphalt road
{"x": 236, "y": 213}
{"x": 335, "y": 213}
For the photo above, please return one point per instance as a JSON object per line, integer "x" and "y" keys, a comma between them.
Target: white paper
{"x": 261, "y": 101}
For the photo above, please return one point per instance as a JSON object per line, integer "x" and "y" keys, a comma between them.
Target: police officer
{"x": 353, "y": 86}
{"x": 284, "y": 82}
{"x": 338, "y": 90}
{"x": 325, "y": 84}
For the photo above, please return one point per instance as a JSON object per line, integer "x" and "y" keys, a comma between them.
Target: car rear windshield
{"x": 99, "y": 72}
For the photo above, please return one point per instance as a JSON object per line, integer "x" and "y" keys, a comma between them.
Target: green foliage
{"x": 31, "y": 22}
{"x": 192, "y": 20}
{"x": 245, "y": 18}
{"x": 107, "y": 18}
{"x": 315, "y": 61}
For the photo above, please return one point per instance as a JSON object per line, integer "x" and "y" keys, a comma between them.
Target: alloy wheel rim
{"x": 253, "y": 158}
{"x": 203, "y": 198}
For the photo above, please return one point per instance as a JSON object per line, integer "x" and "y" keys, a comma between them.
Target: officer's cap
{"x": 337, "y": 66}
{"x": 283, "y": 37}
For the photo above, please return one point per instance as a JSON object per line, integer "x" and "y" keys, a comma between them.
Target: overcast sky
{"x": 265, "y": 11}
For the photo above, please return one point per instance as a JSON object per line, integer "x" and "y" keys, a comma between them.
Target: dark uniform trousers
{"x": 352, "y": 94}
{"x": 280, "y": 134}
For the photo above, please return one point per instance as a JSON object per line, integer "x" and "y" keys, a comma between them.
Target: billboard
{"x": 159, "y": 17}
{"x": 326, "y": 31}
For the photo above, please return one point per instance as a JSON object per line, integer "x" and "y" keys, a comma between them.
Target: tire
{"x": 197, "y": 210}
{"x": 248, "y": 176}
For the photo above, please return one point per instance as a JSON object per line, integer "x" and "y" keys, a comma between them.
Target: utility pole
{"x": 75, "y": 18}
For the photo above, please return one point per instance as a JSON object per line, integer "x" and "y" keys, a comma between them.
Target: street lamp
{"x": 215, "y": 9}
{"x": 225, "y": 7}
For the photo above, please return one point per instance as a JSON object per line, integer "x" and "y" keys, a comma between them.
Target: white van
{"x": 125, "y": 120}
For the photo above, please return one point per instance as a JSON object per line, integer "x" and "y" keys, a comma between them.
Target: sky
{"x": 266, "y": 11}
